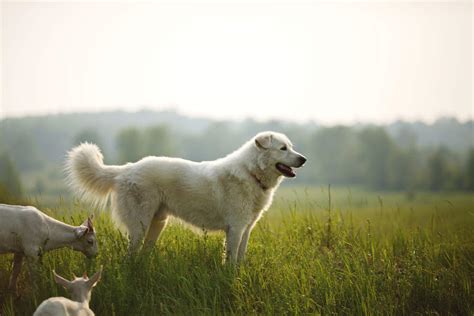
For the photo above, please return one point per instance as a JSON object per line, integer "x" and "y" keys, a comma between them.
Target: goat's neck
{"x": 82, "y": 298}
{"x": 59, "y": 235}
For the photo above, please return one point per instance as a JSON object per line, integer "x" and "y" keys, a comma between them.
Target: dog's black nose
{"x": 302, "y": 160}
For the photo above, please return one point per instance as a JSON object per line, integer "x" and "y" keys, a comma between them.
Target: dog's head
{"x": 275, "y": 153}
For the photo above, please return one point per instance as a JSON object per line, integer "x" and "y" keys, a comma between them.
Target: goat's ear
{"x": 84, "y": 223}
{"x": 263, "y": 140}
{"x": 60, "y": 280}
{"x": 89, "y": 223}
{"x": 80, "y": 231}
{"x": 95, "y": 278}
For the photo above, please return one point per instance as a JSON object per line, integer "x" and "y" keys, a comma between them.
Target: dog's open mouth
{"x": 285, "y": 170}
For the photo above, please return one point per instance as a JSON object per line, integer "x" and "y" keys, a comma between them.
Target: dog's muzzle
{"x": 287, "y": 171}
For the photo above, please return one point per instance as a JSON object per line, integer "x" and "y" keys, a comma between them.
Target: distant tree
{"x": 404, "y": 162}
{"x": 23, "y": 149}
{"x": 376, "y": 148}
{"x": 129, "y": 145}
{"x": 406, "y": 138}
{"x": 88, "y": 135}
{"x": 333, "y": 154}
{"x": 9, "y": 176}
{"x": 2, "y": 143}
{"x": 158, "y": 142}
{"x": 469, "y": 171}
{"x": 439, "y": 174}
{"x": 403, "y": 169}
{"x": 216, "y": 141}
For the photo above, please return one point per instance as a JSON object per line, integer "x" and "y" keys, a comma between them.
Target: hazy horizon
{"x": 332, "y": 63}
{"x": 259, "y": 120}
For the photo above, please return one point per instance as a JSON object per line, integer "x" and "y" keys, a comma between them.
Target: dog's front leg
{"x": 243, "y": 243}
{"x": 232, "y": 243}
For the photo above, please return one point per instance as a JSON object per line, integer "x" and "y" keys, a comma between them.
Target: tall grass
{"x": 363, "y": 253}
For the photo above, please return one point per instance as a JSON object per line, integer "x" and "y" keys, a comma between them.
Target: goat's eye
{"x": 283, "y": 148}
{"x": 90, "y": 242}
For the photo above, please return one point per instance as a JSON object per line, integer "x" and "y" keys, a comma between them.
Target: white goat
{"x": 80, "y": 290}
{"x": 26, "y": 231}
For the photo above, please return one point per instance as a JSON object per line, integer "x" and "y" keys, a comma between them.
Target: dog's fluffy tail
{"x": 87, "y": 174}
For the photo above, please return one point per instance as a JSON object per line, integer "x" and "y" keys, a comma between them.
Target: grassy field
{"x": 348, "y": 252}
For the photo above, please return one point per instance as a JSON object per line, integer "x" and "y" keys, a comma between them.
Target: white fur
{"x": 80, "y": 289}
{"x": 227, "y": 194}
{"x": 26, "y": 231}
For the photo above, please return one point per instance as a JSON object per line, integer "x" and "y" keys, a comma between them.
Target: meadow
{"x": 316, "y": 251}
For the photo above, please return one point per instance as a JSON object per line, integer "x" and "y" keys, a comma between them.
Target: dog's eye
{"x": 283, "y": 148}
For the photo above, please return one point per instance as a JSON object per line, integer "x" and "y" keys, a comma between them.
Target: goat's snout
{"x": 91, "y": 254}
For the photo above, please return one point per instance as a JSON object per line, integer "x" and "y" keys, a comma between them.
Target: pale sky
{"x": 333, "y": 62}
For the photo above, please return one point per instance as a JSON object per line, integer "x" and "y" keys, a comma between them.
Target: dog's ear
{"x": 263, "y": 140}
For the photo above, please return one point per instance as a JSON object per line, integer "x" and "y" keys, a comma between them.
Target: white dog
{"x": 227, "y": 194}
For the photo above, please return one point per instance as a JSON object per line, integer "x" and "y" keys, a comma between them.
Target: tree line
{"x": 365, "y": 156}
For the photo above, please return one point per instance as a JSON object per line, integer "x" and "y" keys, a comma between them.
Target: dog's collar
{"x": 259, "y": 182}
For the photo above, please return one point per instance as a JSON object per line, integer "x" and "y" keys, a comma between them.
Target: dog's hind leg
{"x": 156, "y": 227}
{"x": 137, "y": 226}
{"x": 135, "y": 210}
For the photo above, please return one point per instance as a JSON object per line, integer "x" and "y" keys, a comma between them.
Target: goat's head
{"x": 79, "y": 288}
{"x": 86, "y": 239}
